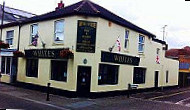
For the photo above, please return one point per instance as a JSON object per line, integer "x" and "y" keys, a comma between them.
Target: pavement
{"x": 19, "y": 98}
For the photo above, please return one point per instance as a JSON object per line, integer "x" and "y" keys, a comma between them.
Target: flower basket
{"x": 4, "y": 45}
{"x": 66, "y": 54}
{"x": 18, "y": 54}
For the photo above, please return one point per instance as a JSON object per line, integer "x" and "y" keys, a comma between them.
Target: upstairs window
{"x": 141, "y": 44}
{"x": 126, "y": 44}
{"x": 34, "y": 32}
{"x": 9, "y": 37}
{"x": 59, "y": 31}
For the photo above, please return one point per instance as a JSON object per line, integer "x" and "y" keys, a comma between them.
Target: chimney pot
{"x": 60, "y": 5}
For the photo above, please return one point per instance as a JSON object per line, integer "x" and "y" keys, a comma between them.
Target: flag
{"x": 118, "y": 43}
{"x": 35, "y": 40}
{"x": 157, "y": 59}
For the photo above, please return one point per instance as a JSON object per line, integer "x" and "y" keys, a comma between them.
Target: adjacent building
{"x": 183, "y": 55}
{"x": 13, "y": 15}
{"x": 84, "y": 48}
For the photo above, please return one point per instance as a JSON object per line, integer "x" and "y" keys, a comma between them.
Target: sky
{"x": 151, "y": 15}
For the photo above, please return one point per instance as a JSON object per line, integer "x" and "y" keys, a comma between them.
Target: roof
{"x": 86, "y": 8}
{"x": 12, "y": 15}
{"x": 174, "y": 53}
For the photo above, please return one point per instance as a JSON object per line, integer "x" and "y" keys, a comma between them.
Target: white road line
{"x": 181, "y": 101}
{"x": 51, "y": 105}
{"x": 163, "y": 96}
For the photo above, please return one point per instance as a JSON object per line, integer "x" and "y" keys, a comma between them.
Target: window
{"x": 59, "y": 31}
{"x": 167, "y": 76}
{"x": 141, "y": 44}
{"x": 32, "y": 67}
{"x": 108, "y": 74}
{"x": 126, "y": 39}
{"x": 9, "y": 37}
{"x": 34, "y": 32}
{"x": 158, "y": 56}
{"x": 139, "y": 75}
{"x": 6, "y": 65}
{"x": 59, "y": 70}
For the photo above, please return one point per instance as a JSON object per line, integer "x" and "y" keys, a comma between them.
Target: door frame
{"x": 156, "y": 75}
{"x": 77, "y": 86}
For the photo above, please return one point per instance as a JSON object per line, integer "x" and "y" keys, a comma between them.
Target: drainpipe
{"x": 2, "y": 19}
{"x": 18, "y": 42}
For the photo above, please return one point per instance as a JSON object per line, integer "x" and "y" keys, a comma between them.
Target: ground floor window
{"x": 139, "y": 75}
{"x": 32, "y": 67}
{"x": 59, "y": 70}
{"x": 6, "y": 63}
{"x": 108, "y": 74}
{"x": 167, "y": 76}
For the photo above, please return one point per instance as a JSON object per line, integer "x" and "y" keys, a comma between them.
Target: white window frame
{"x": 5, "y": 73}
{"x": 55, "y": 32}
{"x": 10, "y": 38}
{"x": 31, "y": 32}
{"x": 126, "y": 40}
{"x": 141, "y": 43}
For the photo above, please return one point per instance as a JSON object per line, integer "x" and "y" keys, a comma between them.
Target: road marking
{"x": 51, "y": 105}
{"x": 181, "y": 101}
{"x": 163, "y": 96}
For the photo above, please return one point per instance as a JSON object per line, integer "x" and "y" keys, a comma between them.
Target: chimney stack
{"x": 60, "y": 5}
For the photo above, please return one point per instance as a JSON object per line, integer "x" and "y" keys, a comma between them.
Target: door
{"x": 156, "y": 79}
{"x": 83, "y": 81}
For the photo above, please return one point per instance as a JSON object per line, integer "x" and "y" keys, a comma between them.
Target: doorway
{"x": 156, "y": 79}
{"x": 83, "y": 81}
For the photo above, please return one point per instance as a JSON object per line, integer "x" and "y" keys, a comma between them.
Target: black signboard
{"x": 46, "y": 53}
{"x": 119, "y": 58}
{"x": 86, "y": 36}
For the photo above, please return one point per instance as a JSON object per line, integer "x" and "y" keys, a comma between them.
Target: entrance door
{"x": 83, "y": 81}
{"x": 156, "y": 79}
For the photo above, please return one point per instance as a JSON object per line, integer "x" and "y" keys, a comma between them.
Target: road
{"x": 18, "y": 98}
{"x": 11, "y": 102}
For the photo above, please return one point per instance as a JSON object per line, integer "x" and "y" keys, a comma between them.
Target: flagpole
{"x": 2, "y": 18}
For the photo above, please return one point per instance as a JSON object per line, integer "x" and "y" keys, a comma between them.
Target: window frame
{"x": 54, "y": 36}
{"x": 141, "y": 43}
{"x": 27, "y": 74}
{"x": 32, "y": 35}
{"x": 126, "y": 40}
{"x": 144, "y": 76}
{"x": 10, "y": 38}
{"x": 106, "y": 82}
{"x": 5, "y": 69}
{"x": 64, "y": 80}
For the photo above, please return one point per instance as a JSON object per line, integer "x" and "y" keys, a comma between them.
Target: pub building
{"x": 74, "y": 49}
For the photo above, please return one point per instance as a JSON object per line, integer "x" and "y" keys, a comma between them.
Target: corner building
{"x": 76, "y": 52}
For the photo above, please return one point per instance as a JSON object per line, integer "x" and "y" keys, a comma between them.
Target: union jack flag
{"x": 35, "y": 40}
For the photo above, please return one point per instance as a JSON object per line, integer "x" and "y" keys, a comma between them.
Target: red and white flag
{"x": 118, "y": 43}
{"x": 157, "y": 59}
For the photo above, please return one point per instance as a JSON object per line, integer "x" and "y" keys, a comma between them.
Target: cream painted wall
{"x": 105, "y": 38}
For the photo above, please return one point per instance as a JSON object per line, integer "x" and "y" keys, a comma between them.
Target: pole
{"x": 164, "y": 32}
{"x": 48, "y": 88}
{"x": 2, "y": 18}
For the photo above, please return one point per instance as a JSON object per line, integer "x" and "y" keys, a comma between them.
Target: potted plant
{"x": 4, "y": 45}
{"x": 18, "y": 54}
{"x": 66, "y": 53}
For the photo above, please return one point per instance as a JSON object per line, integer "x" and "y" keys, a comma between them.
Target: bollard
{"x": 48, "y": 89}
{"x": 129, "y": 89}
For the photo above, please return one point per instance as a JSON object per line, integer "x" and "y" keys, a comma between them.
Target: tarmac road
{"x": 11, "y": 102}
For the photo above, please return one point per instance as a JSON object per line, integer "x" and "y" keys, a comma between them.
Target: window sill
{"x": 57, "y": 43}
{"x": 3, "y": 74}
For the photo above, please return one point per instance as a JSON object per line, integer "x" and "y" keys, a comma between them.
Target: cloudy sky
{"x": 151, "y": 15}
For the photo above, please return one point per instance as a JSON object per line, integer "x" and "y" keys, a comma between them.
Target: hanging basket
{"x": 4, "y": 45}
{"x": 18, "y": 54}
{"x": 66, "y": 54}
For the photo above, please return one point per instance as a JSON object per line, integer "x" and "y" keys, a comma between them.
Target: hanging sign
{"x": 86, "y": 36}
